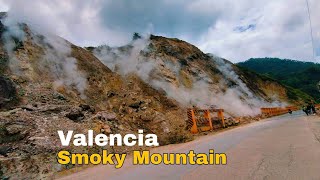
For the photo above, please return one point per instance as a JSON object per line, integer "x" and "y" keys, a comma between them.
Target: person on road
{"x": 307, "y": 109}
{"x": 313, "y": 108}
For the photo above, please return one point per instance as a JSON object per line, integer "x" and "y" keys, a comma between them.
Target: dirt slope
{"x": 192, "y": 77}
{"x": 48, "y": 84}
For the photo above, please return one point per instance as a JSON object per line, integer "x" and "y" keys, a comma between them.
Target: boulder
{"x": 13, "y": 132}
{"x": 59, "y": 96}
{"x": 106, "y": 116}
{"x": 75, "y": 115}
{"x": 16, "y": 128}
{"x": 147, "y": 116}
{"x": 86, "y": 107}
{"x": 105, "y": 129}
{"x": 7, "y": 91}
{"x": 135, "y": 105}
{"x": 4, "y": 150}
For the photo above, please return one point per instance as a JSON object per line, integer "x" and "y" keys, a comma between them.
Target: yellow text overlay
{"x": 143, "y": 158}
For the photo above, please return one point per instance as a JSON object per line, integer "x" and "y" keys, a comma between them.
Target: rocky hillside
{"x": 194, "y": 78}
{"x": 48, "y": 84}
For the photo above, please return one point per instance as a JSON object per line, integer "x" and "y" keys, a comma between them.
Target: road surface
{"x": 283, "y": 147}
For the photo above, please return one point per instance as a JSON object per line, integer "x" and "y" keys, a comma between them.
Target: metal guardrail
{"x": 200, "y": 120}
{"x": 275, "y": 111}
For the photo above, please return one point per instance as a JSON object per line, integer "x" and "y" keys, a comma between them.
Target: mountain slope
{"x": 48, "y": 84}
{"x": 300, "y": 75}
{"x": 193, "y": 78}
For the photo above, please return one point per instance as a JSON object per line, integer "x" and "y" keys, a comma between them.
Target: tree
{"x": 136, "y": 36}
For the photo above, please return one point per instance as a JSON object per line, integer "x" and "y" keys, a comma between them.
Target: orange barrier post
{"x": 221, "y": 116}
{"x": 207, "y": 116}
{"x": 200, "y": 119}
{"x": 192, "y": 122}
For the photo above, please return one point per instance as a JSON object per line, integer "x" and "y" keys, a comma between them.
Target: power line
{"x": 311, "y": 34}
{"x": 311, "y": 31}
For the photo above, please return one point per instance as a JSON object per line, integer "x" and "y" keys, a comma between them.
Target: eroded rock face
{"x": 75, "y": 115}
{"x": 7, "y": 92}
{"x": 13, "y": 132}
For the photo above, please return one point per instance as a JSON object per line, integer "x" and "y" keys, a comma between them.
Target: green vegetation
{"x": 292, "y": 93}
{"x": 136, "y": 36}
{"x": 302, "y": 76}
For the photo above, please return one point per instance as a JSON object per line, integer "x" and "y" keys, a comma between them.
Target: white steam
{"x": 11, "y": 38}
{"x": 63, "y": 67}
{"x": 56, "y": 55}
{"x": 239, "y": 97}
{"x": 165, "y": 75}
{"x": 131, "y": 61}
{"x": 127, "y": 60}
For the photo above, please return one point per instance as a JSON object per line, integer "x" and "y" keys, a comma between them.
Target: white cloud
{"x": 236, "y": 30}
{"x": 76, "y": 20}
{"x": 3, "y": 6}
{"x": 281, "y": 30}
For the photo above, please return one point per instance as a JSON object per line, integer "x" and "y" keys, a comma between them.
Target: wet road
{"x": 283, "y": 147}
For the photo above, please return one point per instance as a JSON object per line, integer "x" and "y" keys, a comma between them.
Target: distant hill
{"x": 297, "y": 74}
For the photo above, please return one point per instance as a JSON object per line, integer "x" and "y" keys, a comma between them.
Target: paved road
{"x": 283, "y": 147}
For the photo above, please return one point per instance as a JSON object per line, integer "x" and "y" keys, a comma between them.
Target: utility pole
{"x": 312, "y": 40}
{"x": 311, "y": 31}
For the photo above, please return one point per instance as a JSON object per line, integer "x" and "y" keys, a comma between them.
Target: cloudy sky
{"x": 236, "y": 30}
